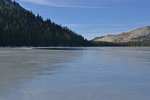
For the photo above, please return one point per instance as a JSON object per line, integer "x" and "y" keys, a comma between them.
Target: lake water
{"x": 75, "y": 74}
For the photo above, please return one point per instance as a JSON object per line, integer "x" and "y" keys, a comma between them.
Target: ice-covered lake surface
{"x": 102, "y": 73}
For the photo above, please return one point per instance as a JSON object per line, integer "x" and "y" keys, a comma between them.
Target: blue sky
{"x": 92, "y": 18}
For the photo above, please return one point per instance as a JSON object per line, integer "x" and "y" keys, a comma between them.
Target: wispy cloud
{"x": 92, "y": 30}
{"x": 75, "y": 3}
{"x": 64, "y": 3}
{"x": 108, "y": 24}
{"x": 41, "y": 2}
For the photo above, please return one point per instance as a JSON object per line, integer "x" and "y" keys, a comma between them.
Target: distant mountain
{"x": 139, "y": 35}
{"x": 19, "y": 27}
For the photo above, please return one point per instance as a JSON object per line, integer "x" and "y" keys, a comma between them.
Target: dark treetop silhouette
{"x": 19, "y": 27}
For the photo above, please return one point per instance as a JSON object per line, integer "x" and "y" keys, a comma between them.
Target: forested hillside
{"x": 19, "y": 27}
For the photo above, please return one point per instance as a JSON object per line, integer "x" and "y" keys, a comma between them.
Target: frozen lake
{"x": 102, "y": 73}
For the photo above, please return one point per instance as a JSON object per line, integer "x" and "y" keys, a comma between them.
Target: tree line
{"x": 19, "y": 27}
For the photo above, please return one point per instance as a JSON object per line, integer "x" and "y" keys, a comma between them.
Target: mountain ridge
{"x": 10, "y": 3}
{"x": 137, "y": 35}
